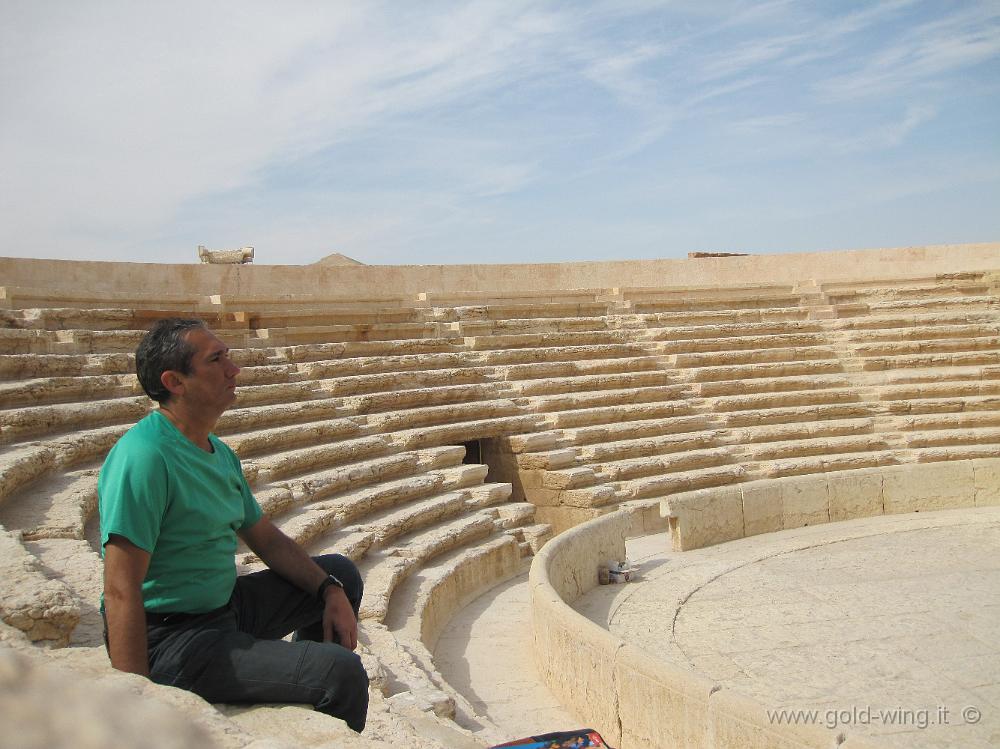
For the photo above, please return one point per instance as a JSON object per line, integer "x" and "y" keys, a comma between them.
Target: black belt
{"x": 162, "y": 618}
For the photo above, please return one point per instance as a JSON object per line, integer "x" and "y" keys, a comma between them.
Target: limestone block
{"x": 855, "y": 494}
{"x": 648, "y": 690}
{"x": 928, "y": 486}
{"x": 43, "y": 609}
{"x": 762, "y": 511}
{"x": 44, "y": 707}
{"x": 986, "y": 475}
{"x": 563, "y": 518}
{"x": 571, "y": 565}
{"x": 738, "y": 722}
{"x": 576, "y": 660}
{"x": 470, "y": 574}
{"x": 705, "y": 517}
{"x": 804, "y": 501}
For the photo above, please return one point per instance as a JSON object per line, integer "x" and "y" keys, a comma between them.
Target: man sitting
{"x": 173, "y": 499}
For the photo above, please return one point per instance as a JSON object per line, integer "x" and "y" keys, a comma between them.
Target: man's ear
{"x": 173, "y": 382}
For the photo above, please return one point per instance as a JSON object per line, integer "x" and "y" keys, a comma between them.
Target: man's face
{"x": 211, "y": 385}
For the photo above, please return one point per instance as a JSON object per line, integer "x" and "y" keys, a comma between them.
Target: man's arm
{"x": 288, "y": 559}
{"x": 125, "y": 566}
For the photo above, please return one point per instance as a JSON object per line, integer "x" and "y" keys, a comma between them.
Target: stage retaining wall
{"x": 637, "y": 701}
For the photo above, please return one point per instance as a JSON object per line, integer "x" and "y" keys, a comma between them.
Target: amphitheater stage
{"x": 885, "y": 626}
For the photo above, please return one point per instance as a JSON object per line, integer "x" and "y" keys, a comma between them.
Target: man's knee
{"x": 347, "y": 572}
{"x": 346, "y": 689}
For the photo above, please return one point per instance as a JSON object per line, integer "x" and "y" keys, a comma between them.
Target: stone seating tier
{"x": 355, "y": 445}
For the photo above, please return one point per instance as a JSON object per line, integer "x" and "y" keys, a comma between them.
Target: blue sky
{"x": 507, "y": 131}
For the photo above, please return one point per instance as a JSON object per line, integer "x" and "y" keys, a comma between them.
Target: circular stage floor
{"x": 886, "y": 626}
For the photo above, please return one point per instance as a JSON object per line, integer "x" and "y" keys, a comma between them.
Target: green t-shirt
{"x": 181, "y": 504}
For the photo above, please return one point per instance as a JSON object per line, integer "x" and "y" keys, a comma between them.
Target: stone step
{"x": 279, "y": 394}
{"x": 722, "y": 316}
{"x": 617, "y": 413}
{"x": 59, "y": 507}
{"x": 512, "y": 311}
{"x": 488, "y": 495}
{"x": 413, "y": 418}
{"x": 790, "y": 414}
{"x": 762, "y": 302}
{"x": 531, "y": 325}
{"x": 384, "y": 570}
{"x": 632, "y": 468}
{"x": 565, "y": 353}
{"x": 378, "y": 386}
{"x": 580, "y": 398}
{"x": 925, "y": 361}
{"x": 531, "y": 538}
{"x": 13, "y": 341}
{"x": 52, "y": 390}
{"x": 315, "y": 352}
{"x": 415, "y": 370}
{"x": 560, "y": 385}
{"x": 937, "y": 332}
{"x": 978, "y": 436}
{"x": 797, "y": 466}
{"x": 732, "y": 331}
{"x": 819, "y": 446}
{"x": 984, "y": 302}
{"x": 548, "y": 340}
{"x": 770, "y": 370}
{"x": 300, "y": 335}
{"x": 18, "y": 424}
{"x": 309, "y": 317}
{"x": 723, "y": 358}
{"x": 308, "y": 522}
{"x": 288, "y": 463}
{"x": 253, "y": 419}
{"x": 379, "y": 529}
{"x": 388, "y": 471}
{"x": 924, "y": 347}
{"x": 514, "y": 515}
{"x": 453, "y": 434}
{"x": 959, "y": 420}
{"x": 627, "y": 430}
{"x": 400, "y": 399}
{"x": 658, "y": 486}
{"x": 666, "y": 345}
{"x": 570, "y": 370}
{"x": 811, "y": 397}
{"x": 944, "y": 405}
{"x": 34, "y": 366}
{"x": 939, "y": 390}
{"x": 642, "y": 447}
{"x": 719, "y": 388}
{"x": 297, "y": 435}
{"x": 41, "y": 607}
{"x": 910, "y": 320}
{"x": 795, "y": 431}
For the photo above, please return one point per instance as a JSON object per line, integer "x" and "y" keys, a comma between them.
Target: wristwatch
{"x": 321, "y": 591}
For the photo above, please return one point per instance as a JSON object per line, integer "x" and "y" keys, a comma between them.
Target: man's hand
{"x": 339, "y": 624}
{"x": 288, "y": 559}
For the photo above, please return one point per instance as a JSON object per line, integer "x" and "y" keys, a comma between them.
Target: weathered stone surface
{"x": 44, "y": 706}
{"x": 42, "y": 608}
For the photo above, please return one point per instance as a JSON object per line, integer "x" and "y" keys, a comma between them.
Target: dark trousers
{"x": 237, "y": 654}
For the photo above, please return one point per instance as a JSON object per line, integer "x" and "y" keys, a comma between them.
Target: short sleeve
{"x": 251, "y": 509}
{"x": 132, "y": 492}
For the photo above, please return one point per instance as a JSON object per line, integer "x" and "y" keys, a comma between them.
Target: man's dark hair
{"x": 164, "y": 347}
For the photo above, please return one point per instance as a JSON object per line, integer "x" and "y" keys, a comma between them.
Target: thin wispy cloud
{"x": 396, "y": 132}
